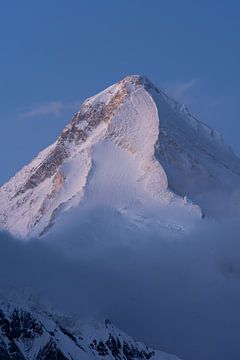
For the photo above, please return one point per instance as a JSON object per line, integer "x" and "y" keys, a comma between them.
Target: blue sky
{"x": 55, "y": 53}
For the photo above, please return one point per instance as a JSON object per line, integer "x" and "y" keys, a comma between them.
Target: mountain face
{"x": 130, "y": 150}
{"x": 30, "y": 331}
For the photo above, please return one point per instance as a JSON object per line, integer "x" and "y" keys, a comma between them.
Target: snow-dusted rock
{"x": 30, "y": 331}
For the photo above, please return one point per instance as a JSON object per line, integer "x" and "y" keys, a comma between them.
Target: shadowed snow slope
{"x": 131, "y": 150}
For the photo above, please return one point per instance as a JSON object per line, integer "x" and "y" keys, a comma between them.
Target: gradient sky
{"x": 55, "y": 53}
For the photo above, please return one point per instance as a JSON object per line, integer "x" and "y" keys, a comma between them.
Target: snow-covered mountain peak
{"x": 130, "y": 149}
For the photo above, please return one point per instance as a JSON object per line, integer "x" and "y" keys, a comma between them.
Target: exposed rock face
{"x": 46, "y": 169}
{"x": 30, "y": 331}
{"x": 58, "y": 181}
{"x": 76, "y": 133}
{"x": 161, "y": 152}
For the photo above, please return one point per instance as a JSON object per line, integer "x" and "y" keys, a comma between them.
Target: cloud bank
{"x": 180, "y": 295}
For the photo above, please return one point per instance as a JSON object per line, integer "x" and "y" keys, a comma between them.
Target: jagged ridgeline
{"x": 29, "y": 330}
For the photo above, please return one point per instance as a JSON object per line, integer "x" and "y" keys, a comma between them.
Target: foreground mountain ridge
{"x": 129, "y": 148}
{"x": 30, "y": 331}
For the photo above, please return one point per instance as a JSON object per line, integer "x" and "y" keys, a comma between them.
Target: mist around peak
{"x": 178, "y": 294}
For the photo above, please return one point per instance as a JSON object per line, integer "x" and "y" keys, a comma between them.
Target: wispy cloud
{"x": 54, "y": 108}
{"x": 182, "y": 90}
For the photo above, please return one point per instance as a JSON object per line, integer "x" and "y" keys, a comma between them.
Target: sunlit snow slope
{"x": 131, "y": 150}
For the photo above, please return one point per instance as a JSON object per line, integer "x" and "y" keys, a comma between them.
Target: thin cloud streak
{"x": 182, "y": 90}
{"x": 54, "y": 108}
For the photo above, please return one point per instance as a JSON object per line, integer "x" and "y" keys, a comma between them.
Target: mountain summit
{"x": 130, "y": 151}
